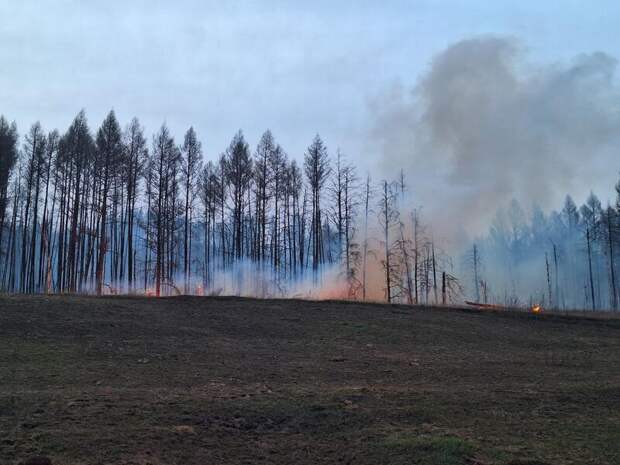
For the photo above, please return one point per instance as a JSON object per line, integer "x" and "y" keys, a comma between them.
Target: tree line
{"x": 566, "y": 259}
{"x": 111, "y": 212}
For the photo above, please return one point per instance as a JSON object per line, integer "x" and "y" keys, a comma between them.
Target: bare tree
{"x": 192, "y": 161}
{"x": 166, "y": 157}
{"x": 8, "y": 158}
{"x": 317, "y": 169}
{"x": 238, "y": 173}
{"x": 388, "y": 219}
{"x": 135, "y": 159}
{"x": 109, "y": 151}
{"x": 367, "y": 197}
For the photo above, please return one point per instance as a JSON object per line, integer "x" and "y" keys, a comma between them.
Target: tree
{"x": 350, "y": 199}
{"x": 344, "y": 192}
{"x": 210, "y": 189}
{"x": 591, "y": 217}
{"x": 192, "y": 161}
{"x": 263, "y": 154}
{"x": 277, "y": 173}
{"x": 109, "y": 151}
{"x": 474, "y": 260}
{"x": 34, "y": 150}
{"x": 8, "y": 158}
{"x": 166, "y": 157}
{"x": 317, "y": 169}
{"x": 77, "y": 150}
{"x": 237, "y": 166}
{"x": 134, "y": 161}
{"x": 45, "y": 250}
{"x": 571, "y": 219}
{"x": 298, "y": 220}
{"x": 338, "y": 199}
{"x": 367, "y": 197}
{"x": 388, "y": 219}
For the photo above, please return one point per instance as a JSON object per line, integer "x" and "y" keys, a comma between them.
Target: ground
{"x": 197, "y": 380}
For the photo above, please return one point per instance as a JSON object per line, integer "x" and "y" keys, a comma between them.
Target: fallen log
{"x": 481, "y": 305}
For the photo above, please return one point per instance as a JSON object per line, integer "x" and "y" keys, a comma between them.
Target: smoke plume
{"x": 483, "y": 126}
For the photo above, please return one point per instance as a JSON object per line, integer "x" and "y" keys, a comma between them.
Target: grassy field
{"x": 192, "y": 380}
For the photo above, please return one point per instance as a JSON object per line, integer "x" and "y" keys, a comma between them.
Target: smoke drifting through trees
{"x": 102, "y": 212}
{"x": 483, "y": 126}
{"x": 105, "y": 214}
{"x": 565, "y": 259}
{"x": 110, "y": 211}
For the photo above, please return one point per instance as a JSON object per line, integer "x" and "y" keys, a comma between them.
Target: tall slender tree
{"x": 317, "y": 169}
{"x": 109, "y": 151}
{"x": 8, "y": 158}
{"x": 192, "y": 161}
{"x": 238, "y": 171}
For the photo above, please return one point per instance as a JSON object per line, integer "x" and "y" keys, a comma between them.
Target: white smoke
{"x": 483, "y": 126}
{"x": 246, "y": 278}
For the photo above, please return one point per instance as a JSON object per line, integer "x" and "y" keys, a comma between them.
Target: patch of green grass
{"x": 422, "y": 450}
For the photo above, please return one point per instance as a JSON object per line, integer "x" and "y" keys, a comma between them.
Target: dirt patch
{"x": 191, "y": 380}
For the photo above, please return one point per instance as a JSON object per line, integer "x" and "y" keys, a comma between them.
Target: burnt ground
{"x": 197, "y": 380}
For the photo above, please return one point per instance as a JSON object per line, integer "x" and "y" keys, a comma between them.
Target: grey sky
{"x": 342, "y": 69}
{"x": 293, "y": 68}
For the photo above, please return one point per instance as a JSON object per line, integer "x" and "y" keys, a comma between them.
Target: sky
{"x": 297, "y": 68}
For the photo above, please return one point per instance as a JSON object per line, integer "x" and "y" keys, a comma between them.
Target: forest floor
{"x": 199, "y": 380}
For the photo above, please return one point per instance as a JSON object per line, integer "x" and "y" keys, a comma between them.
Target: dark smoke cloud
{"x": 483, "y": 126}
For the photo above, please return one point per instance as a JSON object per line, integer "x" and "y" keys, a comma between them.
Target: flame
{"x": 537, "y": 309}
{"x": 330, "y": 293}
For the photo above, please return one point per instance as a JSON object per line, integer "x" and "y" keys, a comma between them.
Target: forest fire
{"x": 329, "y": 294}
{"x": 259, "y": 236}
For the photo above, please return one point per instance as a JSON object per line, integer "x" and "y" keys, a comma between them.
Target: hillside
{"x": 193, "y": 380}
